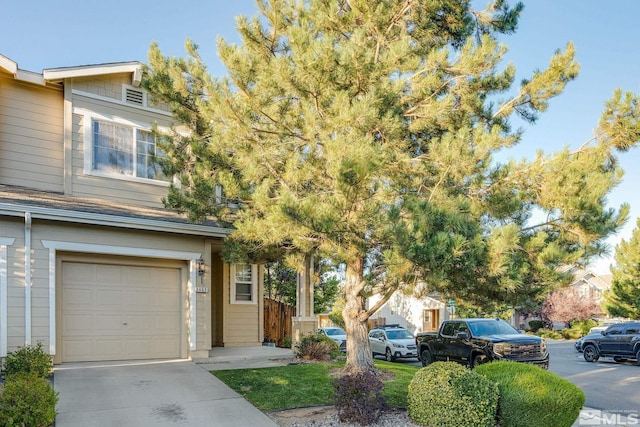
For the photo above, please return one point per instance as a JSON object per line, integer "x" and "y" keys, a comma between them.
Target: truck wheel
{"x": 478, "y": 359}
{"x": 389, "y": 357}
{"x": 425, "y": 357}
{"x": 590, "y": 353}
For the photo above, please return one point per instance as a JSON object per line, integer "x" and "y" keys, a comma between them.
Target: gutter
{"x": 111, "y": 220}
{"x": 27, "y": 278}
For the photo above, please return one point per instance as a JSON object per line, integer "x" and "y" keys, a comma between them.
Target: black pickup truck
{"x": 476, "y": 341}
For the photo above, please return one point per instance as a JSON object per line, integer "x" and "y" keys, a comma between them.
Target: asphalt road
{"x": 607, "y": 385}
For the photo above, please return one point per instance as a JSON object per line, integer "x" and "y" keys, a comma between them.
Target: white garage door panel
{"x": 118, "y": 312}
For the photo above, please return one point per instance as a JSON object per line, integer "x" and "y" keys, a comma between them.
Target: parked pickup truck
{"x": 620, "y": 341}
{"x": 476, "y": 341}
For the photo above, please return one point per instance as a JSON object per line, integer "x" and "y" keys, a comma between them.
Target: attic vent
{"x": 133, "y": 96}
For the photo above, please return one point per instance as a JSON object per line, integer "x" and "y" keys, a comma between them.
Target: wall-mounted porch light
{"x": 200, "y": 266}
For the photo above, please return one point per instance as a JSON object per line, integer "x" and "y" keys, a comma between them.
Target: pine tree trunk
{"x": 359, "y": 356}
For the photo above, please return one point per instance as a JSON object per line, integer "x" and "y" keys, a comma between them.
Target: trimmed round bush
{"x": 446, "y": 394}
{"x": 27, "y": 401}
{"x": 317, "y": 347}
{"x": 533, "y": 397}
{"x": 28, "y": 359}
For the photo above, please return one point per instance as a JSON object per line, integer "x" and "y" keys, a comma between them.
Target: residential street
{"x": 607, "y": 385}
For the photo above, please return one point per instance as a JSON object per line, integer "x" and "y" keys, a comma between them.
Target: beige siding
{"x": 31, "y": 136}
{"x": 242, "y": 322}
{"x": 124, "y": 190}
{"x": 108, "y": 86}
{"x": 40, "y": 303}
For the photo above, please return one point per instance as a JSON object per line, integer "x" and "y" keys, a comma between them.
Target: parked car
{"x": 393, "y": 342}
{"x": 337, "y": 334}
{"x": 620, "y": 341}
{"x": 580, "y": 341}
{"x": 604, "y": 325}
{"x": 475, "y": 341}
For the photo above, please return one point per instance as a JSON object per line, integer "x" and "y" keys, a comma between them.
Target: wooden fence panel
{"x": 277, "y": 321}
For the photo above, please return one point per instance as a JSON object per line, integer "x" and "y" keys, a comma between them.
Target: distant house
{"x": 588, "y": 285}
{"x": 417, "y": 315}
{"x": 91, "y": 263}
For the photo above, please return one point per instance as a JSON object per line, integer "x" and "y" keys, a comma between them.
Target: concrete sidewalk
{"x": 160, "y": 392}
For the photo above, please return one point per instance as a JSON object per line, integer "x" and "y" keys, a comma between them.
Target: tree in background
{"x": 623, "y": 299}
{"x": 565, "y": 306}
{"x": 280, "y": 283}
{"x": 365, "y": 132}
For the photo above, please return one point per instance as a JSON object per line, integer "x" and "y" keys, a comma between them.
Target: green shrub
{"x": 317, "y": 347}
{"x": 548, "y": 333}
{"x": 27, "y": 401}
{"x": 447, "y": 394}
{"x": 286, "y": 342}
{"x": 571, "y": 334}
{"x": 533, "y": 397}
{"x": 583, "y": 325}
{"x": 358, "y": 398}
{"x": 28, "y": 359}
{"x": 534, "y": 325}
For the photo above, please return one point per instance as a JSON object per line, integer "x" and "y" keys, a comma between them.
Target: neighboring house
{"x": 589, "y": 286}
{"x": 416, "y": 315}
{"x": 91, "y": 264}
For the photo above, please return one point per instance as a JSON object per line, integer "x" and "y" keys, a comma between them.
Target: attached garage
{"x": 120, "y": 309}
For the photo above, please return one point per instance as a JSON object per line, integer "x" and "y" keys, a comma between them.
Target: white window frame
{"x": 254, "y": 284}
{"x": 89, "y": 118}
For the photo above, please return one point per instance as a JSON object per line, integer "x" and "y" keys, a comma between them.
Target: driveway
{"x": 148, "y": 393}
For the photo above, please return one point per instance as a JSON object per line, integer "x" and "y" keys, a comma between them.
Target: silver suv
{"x": 393, "y": 342}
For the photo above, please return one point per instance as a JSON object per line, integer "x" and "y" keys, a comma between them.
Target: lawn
{"x": 309, "y": 384}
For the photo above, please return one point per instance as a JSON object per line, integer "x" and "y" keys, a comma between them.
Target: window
{"x": 124, "y": 150}
{"x": 243, "y": 283}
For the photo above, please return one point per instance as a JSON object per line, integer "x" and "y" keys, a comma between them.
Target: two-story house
{"x": 91, "y": 264}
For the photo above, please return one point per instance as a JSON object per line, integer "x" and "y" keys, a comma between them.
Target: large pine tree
{"x": 364, "y": 131}
{"x": 623, "y": 299}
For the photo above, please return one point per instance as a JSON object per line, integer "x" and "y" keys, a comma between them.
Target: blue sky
{"x": 605, "y": 34}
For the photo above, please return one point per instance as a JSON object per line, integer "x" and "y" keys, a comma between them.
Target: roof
{"x": 16, "y": 201}
{"x": 56, "y": 75}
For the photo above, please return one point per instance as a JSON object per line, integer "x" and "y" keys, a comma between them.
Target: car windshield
{"x": 336, "y": 331}
{"x": 400, "y": 334}
{"x": 491, "y": 327}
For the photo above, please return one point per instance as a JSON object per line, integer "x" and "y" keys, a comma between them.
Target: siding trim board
{"x": 112, "y": 220}
{"x": 4, "y": 285}
{"x": 55, "y": 246}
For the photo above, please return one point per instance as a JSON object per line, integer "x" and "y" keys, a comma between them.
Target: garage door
{"x": 119, "y": 312}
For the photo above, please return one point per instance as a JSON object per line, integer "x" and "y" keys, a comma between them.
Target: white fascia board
{"x": 55, "y": 74}
{"x": 8, "y": 65}
{"x": 113, "y": 220}
{"x": 27, "y": 76}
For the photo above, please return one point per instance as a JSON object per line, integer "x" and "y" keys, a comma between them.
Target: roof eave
{"x": 113, "y": 221}
{"x": 59, "y": 74}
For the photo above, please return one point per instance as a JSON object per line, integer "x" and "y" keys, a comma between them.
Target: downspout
{"x": 27, "y": 278}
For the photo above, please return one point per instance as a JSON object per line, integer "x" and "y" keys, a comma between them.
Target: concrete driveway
{"x": 149, "y": 393}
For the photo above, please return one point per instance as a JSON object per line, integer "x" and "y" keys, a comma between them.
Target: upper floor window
{"x": 125, "y": 150}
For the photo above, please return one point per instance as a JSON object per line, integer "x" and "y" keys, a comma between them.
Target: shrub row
{"x": 508, "y": 393}
{"x": 27, "y": 399}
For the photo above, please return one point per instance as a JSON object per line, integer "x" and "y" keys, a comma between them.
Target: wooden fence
{"x": 277, "y": 321}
